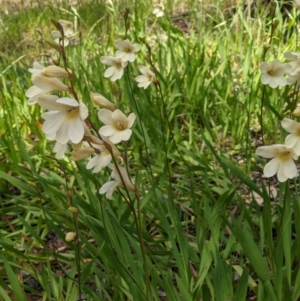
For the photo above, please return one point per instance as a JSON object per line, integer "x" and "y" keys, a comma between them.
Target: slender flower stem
{"x": 141, "y": 125}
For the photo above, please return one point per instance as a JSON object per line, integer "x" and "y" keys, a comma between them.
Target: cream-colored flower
{"x": 100, "y": 100}
{"x": 146, "y": 78}
{"x": 117, "y": 67}
{"x": 126, "y": 50}
{"x": 158, "y": 10}
{"x": 103, "y": 158}
{"x": 36, "y": 68}
{"x": 43, "y": 84}
{"x": 58, "y": 38}
{"x": 293, "y": 139}
{"x": 68, "y": 32}
{"x": 294, "y": 58}
{"x": 111, "y": 186}
{"x": 117, "y": 125}
{"x": 282, "y": 163}
{"x": 294, "y": 78}
{"x": 67, "y": 27}
{"x": 65, "y": 121}
{"x": 273, "y": 73}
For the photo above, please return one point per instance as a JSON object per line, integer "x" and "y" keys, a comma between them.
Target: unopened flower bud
{"x": 55, "y": 46}
{"x": 55, "y": 60}
{"x": 82, "y": 153}
{"x": 48, "y": 83}
{"x": 55, "y": 71}
{"x": 93, "y": 139}
{"x": 100, "y": 100}
{"x": 73, "y": 209}
{"x": 115, "y": 90}
{"x": 70, "y": 236}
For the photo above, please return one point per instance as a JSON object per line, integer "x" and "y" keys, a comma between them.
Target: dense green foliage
{"x": 205, "y": 234}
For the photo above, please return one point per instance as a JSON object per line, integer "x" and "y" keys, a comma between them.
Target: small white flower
{"x": 102, "y": 159}
{"x": 58, "y": 38}
{"x": 117, "y": 125}
{"x": 65, "y": 121}
{"x": 273, "y": 73}
{"x": 294, "y": 58}
{"x": 294, "y": 78}
{"x": 293, "y": 139}
{"x": 67, "y": 27}
{"x": 68, "y": 32}
{"x": 36, "y": 68}
{"x": 146, "y": 78}
{"x": 126, "y": 50}
{"x": 117, "y": 67}
{"x": 282, "y": 162}
{"x": 111, "y": 186}
{"x": 158, "y": 10}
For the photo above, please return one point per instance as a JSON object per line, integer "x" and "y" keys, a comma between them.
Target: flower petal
{"x": 290, "y": 125}
{"x": 280, "y": 174}
{"x": 107, "y": 130}
{"x": 266, "y": 151}
{"x": 272, "y": 167}
{"x": 105, "y": 116}
{"x": 290, "y": 169}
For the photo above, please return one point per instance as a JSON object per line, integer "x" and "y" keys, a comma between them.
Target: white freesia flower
{"x": 58, "y": 38}
{"x": 111, "y": 186}
{"x": 36, "y": 68}
{"x": 65, "y": 121}
{"x": 293, "y": 139}
{"x": 103, "y": 158}
{"x": 67, "y": 27}
{"x": 282, "y": 163}
{"x": 117, "y": 67}
{"x": 146, "y": 78}
{"x": 126, "y": 50}
{"x": 273, "y": 73}
{"x": 294, "y": 58}
{"x": 43, "y": 84}
{"x": 294, "y": 78}
{"x": 68, "y": 32}
{"x": 117, "y": 125}
{"x": 158, "y": 10}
